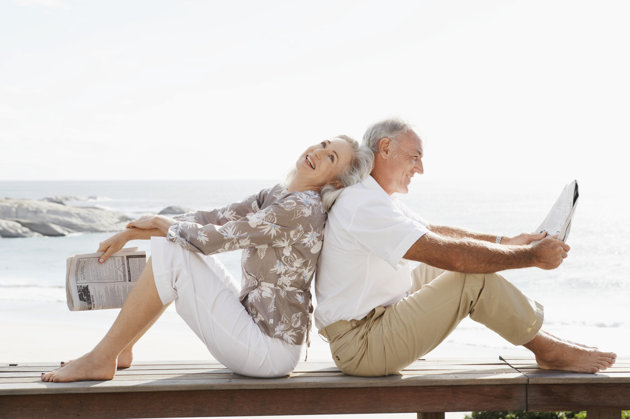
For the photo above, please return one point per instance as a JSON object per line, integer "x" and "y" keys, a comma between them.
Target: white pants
{"x": 206, "y": 297}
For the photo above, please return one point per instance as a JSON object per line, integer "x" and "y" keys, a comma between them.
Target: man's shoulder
{"x": 355, "y": 196}
{"x": 361, "y": 198}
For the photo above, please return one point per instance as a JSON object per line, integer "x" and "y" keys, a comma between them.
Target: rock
{"x": 56, "y": 218}
{"x": 44, "y": 228}
{"x": 11, "y": 229}
{"x": 61, "y": 199}
{"x": 174, "y": 210}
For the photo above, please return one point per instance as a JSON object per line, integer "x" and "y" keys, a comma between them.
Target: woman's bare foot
{"x": 125, "y": 358}
{"x": 556, "y": 354}
{"x": 89, "y": 367}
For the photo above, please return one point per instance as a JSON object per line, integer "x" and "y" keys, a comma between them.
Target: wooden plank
{"x": 201, "y": 383}
{"x": 431, "y": 415}
{"x": 267, "y": 402}
{"x": 558, "y": 377}
{"x": 546, "y": 397}
{"x": 180, "y": 376}
{"x": 603, "y": 413}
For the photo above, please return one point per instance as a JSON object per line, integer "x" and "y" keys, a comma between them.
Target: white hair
{"x": 359, "y": 168}
{"x": 389, "y": 128}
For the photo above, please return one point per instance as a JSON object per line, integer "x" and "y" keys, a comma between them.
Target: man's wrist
{"x": 498, "y": 239}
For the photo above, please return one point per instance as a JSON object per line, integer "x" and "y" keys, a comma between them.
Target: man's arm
{"x": 475, "y": 256}
{"x": 460, "y": 233}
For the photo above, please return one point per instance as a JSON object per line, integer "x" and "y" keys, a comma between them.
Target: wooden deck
{"x": 189, "y": 388}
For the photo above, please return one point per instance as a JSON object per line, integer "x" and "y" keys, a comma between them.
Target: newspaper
{"x": 558, "y": 221}
{"x": 91, "y": 285}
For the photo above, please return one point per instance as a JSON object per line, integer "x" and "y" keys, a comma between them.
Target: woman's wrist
{"x": 128, "y": 234}
{"x": 163, "y": 223}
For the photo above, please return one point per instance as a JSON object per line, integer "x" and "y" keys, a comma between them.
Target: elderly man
{"x": 379, "y": 316}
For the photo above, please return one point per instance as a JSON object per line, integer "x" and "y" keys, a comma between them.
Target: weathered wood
{"x": 26, "y": 381}
{"x": 176, "y": 389}
{"x": 603, "y": 413}
{"x": 569, "y": 396}
{"x": 431, "y": 415}
{"x": 266, "y": 402}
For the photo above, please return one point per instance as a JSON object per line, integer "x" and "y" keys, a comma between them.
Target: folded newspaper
{"x": 91, "y": 285}
{"x": 558, "y": 221}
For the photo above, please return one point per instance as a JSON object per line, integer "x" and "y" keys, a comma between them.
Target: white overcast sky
{"x": 237, "y": 89}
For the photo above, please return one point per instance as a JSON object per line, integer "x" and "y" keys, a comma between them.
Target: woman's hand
{"x": 112, "y": 245}
{"x": 524, "y": 238}
{"x": 150, "y": 222}
{"x": 146, "y": 222}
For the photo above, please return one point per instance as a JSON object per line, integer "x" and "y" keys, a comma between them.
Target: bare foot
{"x": 573, "y": 343}
{"x": 125, "y": 358}
{"x": 556, "y": 354}
{"x": 88, "y": 367}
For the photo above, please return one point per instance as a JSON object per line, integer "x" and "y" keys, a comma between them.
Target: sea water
{"x": 585, "y": 298}
{"x": 590, "y": 288}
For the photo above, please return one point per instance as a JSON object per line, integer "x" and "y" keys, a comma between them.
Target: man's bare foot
{"x": 89, "y": 367}
{"x": 556, "y": 354}
{"x": 572, "y": 343}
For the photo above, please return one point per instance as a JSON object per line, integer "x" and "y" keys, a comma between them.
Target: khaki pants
{"x": 390, "y": 338}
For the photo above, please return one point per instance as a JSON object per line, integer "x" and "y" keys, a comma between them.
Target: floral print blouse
{"x": 281, "y": 235}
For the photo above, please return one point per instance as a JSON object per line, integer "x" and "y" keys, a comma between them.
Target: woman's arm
{"x": 118, "y": 240}
{"x": 231, "y": 212}
{"x": 279, "y": 225}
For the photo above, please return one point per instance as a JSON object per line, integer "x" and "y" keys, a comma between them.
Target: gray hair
{"x": 359, "y": 168}
{"x": 389, "y": 128}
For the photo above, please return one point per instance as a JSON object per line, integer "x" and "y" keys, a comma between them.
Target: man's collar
{"x": 371, "y": 183}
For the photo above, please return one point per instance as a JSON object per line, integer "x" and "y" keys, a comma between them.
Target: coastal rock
{"x": 52, "y": 218}
{"x": 11, "y": 229}
{"x": 44, "y": 228}
{"x": 61, "y": 199}
{"x": 174, "y": 210}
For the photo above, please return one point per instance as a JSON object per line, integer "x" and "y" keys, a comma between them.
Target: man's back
{"x": 361, "y": 265}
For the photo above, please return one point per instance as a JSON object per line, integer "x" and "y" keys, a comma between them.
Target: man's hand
{"x": 523, "y": 239}
{"x": 550, "y": 252}
{"x": 112, "y": 245}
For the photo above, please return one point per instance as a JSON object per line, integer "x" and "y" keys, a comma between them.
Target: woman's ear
{"x": 337, "y": 184}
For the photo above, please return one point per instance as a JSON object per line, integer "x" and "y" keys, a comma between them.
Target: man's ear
{"x": 385, "y": 147}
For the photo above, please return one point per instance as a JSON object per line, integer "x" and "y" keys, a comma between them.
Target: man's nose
{"x": 419, "y": 167}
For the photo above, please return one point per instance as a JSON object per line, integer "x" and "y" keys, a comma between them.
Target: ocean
{"x": 585, "y": 299}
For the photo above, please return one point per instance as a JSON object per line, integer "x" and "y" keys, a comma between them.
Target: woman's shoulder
{"x": 289, "y": 200}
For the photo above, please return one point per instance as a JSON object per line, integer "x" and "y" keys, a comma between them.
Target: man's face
{"x": 406, "y": 161}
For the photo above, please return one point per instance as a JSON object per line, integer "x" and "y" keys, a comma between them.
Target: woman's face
{"x": 322, "y": 163}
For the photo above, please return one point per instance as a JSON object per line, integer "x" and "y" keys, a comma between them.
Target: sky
{"x": 194, "y": 89}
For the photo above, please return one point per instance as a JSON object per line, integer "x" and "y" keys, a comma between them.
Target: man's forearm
{"x": 460, "y": 233}
{"x": 474, "y": 256}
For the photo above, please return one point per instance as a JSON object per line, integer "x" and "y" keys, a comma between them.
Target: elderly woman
{"x": 259, "y": 331}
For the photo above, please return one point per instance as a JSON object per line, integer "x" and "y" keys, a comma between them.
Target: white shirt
{"x": 361, "y": 265}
